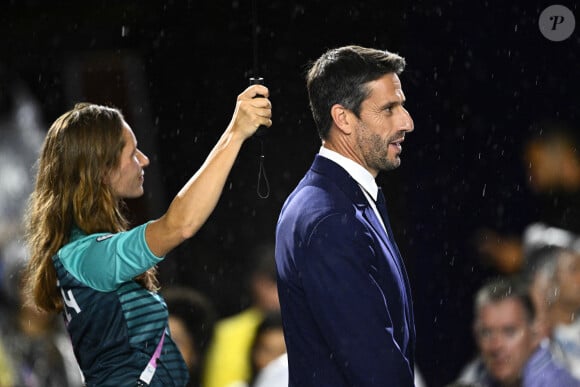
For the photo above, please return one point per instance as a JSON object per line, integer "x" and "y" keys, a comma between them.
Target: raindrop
{"x": 124, "y": 31}
{"x": 483, "y": 192}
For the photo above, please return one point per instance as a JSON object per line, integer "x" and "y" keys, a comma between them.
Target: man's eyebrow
{"x": 392, "y": 104}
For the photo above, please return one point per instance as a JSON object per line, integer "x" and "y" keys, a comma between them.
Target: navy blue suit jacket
{"x": 344, "y": 292}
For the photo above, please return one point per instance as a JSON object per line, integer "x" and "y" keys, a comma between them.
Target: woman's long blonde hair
{"x": 80, "y": 148}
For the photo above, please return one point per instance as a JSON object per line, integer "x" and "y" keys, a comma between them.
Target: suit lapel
{"x": 350, "y": 187}
{"x": 371, "y": 217}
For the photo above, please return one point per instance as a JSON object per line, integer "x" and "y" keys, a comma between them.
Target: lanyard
{"x": 149, "y": 371}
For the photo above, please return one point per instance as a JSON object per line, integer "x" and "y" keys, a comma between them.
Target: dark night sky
{"x": 478, "y": 77}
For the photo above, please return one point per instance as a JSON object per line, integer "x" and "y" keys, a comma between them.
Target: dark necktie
{"x": 382, "y": 207}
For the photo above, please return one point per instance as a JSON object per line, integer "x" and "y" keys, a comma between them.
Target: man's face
{"x": 127, "y": 178}
{"x": 568, "y": 280}
{"x": 506, "y": 339}
{"x": 269, "y": 345}
{"x": 382, "y": 125}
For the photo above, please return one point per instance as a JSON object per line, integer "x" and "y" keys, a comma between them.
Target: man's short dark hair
{"x": 340, "y": 75}
{"x": 502, "y": 288}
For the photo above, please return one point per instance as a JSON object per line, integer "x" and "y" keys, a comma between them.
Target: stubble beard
{"x": 375, "y": 150}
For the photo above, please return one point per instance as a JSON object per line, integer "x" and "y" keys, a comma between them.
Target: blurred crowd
{"x": 526, "y": 324}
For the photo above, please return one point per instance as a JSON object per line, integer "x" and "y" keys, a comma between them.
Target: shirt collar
{"x": 354, "y": 169}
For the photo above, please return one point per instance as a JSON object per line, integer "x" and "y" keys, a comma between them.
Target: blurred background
{"x": 480, "y": 81}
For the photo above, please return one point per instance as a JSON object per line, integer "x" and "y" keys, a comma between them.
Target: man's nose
{"x": 408, "y": 124}
{"x": 496, "y": 343}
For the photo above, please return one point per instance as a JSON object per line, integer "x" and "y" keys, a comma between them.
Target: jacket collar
{"x": 342, "y": 179}
{"x": 359, "y": 173}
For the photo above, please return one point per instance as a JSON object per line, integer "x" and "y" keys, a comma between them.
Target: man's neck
{"x": 517, "y": 383}
{"x": 344, "y": 149}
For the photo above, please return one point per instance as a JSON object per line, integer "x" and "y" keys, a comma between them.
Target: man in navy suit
{"x": 344, "y": 292}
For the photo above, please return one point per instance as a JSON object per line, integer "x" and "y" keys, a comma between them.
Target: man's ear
{"x": 536, "y": 330}
{"x": 342, "y": 117}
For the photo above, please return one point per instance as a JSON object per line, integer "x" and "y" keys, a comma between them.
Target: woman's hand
{"x": 253, "y": 108}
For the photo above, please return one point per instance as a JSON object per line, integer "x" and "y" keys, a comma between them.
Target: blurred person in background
{"x": 36, "y": 343}
{"x": 563, "y": 315}
{"x": 511, "y": 350}
{"x": 564, "y": 312}
{"x": 6, "y": 368}
{"x": 228, "y": 356}
{"x": 552, "y": 266}
{"x": 21, "y": 137}
{"x": 267, "y": 346}
{"x": 542, "y": 249}
{"x": 34, "y": 348}
{"x": 551, "y": 163}
{"x": 191, "y": 323}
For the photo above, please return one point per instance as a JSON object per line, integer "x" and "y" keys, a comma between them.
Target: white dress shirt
{"x": 364, "y": 179}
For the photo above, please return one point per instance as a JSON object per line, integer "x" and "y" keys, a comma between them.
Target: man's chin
{"x": 391, "y": 164}
{"x": 503, "y": 376}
